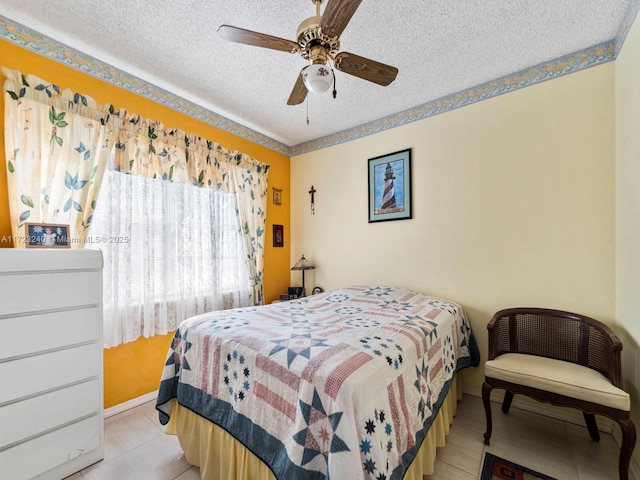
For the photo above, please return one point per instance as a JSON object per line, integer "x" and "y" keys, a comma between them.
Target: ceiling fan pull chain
{"x": 335, "y": 93}
{"x": 307, "y": 111}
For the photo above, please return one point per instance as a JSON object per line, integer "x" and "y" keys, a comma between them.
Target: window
{"x": 171, "y": 251}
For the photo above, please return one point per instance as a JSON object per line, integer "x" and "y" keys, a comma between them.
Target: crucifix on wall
{"x": 313, "y": 201}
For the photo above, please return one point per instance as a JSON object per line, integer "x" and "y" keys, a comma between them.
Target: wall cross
{"x": 313, "y": 201}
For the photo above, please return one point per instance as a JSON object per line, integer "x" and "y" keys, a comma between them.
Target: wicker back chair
{"x": 525, "y": 344}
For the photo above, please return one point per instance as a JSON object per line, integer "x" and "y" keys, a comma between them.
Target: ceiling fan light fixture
{"x": 318, "y": 42}
{"x": 317, "y": 77}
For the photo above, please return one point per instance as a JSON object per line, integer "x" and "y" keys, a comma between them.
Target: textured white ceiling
{"x": 439, "y": 46}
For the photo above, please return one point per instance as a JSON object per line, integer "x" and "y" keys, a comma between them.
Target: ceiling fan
{"x": 318, "y": 41}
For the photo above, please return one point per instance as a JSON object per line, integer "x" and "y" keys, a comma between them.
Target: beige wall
{"x": 513, "y": 205}
{"x": 628, "y": 182}
{"x": 627, "y": 89}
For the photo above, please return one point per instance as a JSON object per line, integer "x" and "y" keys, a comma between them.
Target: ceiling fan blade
{"x": 299, "y": 92}
{"x": 365, "y": 68}
{"x": 249, "y": 37}
{"x": 336, "y": 16}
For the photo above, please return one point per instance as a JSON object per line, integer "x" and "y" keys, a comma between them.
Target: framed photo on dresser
{"x": 47, "y": 235}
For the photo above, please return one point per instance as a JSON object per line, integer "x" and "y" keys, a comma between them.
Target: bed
{"x": 342, "y": 384}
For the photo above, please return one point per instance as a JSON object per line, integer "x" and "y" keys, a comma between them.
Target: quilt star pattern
{"x": 343, "y": 384}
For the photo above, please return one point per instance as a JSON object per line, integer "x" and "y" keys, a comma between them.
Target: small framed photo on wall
{"x": 278, "y": 236}
{"x": 277, "y": 196}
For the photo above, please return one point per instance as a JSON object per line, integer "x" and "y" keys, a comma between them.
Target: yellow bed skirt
{"x": 222, "y": 457}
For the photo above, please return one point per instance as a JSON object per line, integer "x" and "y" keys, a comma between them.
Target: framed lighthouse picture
{"x": 390, "y": 187}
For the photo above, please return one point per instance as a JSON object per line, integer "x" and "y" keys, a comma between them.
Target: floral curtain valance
{"x": 147, "y": 148}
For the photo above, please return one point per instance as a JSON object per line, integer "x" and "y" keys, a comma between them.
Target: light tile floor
{"x": 558, "y": 449}
{"x": 136, "y": 447}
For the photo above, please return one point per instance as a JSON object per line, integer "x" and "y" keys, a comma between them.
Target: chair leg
{"x": 628, "y": 442}
{"x": 592, "y": 426}
{"x": 486, "y": 394}
{"x": 506, "y": 403}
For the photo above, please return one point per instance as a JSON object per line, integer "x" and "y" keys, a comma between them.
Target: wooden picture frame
{"x": 390, "y": 187}
{"x": 47, "y": 235}
{"x": 278, "y": 236}
{"x": 277, "y": 196}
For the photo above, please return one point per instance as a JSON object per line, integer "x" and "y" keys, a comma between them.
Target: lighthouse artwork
{"x": 389, "y": 187}
{"x": 388, "y": 192}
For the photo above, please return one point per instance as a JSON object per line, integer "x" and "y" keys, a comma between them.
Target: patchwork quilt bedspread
{"x": 341, "y": 385}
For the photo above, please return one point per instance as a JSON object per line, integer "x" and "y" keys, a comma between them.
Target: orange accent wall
{"x": 134, "y": 369}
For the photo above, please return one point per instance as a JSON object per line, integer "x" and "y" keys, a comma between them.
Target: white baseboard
{"x": 128, "y": 405}
{"x": 571, "y": 415}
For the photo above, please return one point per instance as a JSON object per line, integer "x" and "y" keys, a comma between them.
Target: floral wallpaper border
{"x": 598, "y": 54}
{"x": 30, "y": 39}
{"x": 568, "y": 64}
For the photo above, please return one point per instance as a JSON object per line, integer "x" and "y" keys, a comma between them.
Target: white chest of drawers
{"x": 51, "y": 380}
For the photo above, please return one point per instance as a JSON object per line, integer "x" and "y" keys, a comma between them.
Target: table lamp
{"x": 303, "y": 264}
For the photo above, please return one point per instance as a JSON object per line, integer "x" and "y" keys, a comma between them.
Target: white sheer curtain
{"x": 171, "y": 251}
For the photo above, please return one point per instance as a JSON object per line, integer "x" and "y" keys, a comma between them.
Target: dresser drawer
{"x": 31, "y": 375}
{"x": 35, "y": 333}
{"x": 28, "y": 459}
{"x": 51, "y": 380}
{"x": 39, "y": 414}
{"x": 31, "y": 292}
